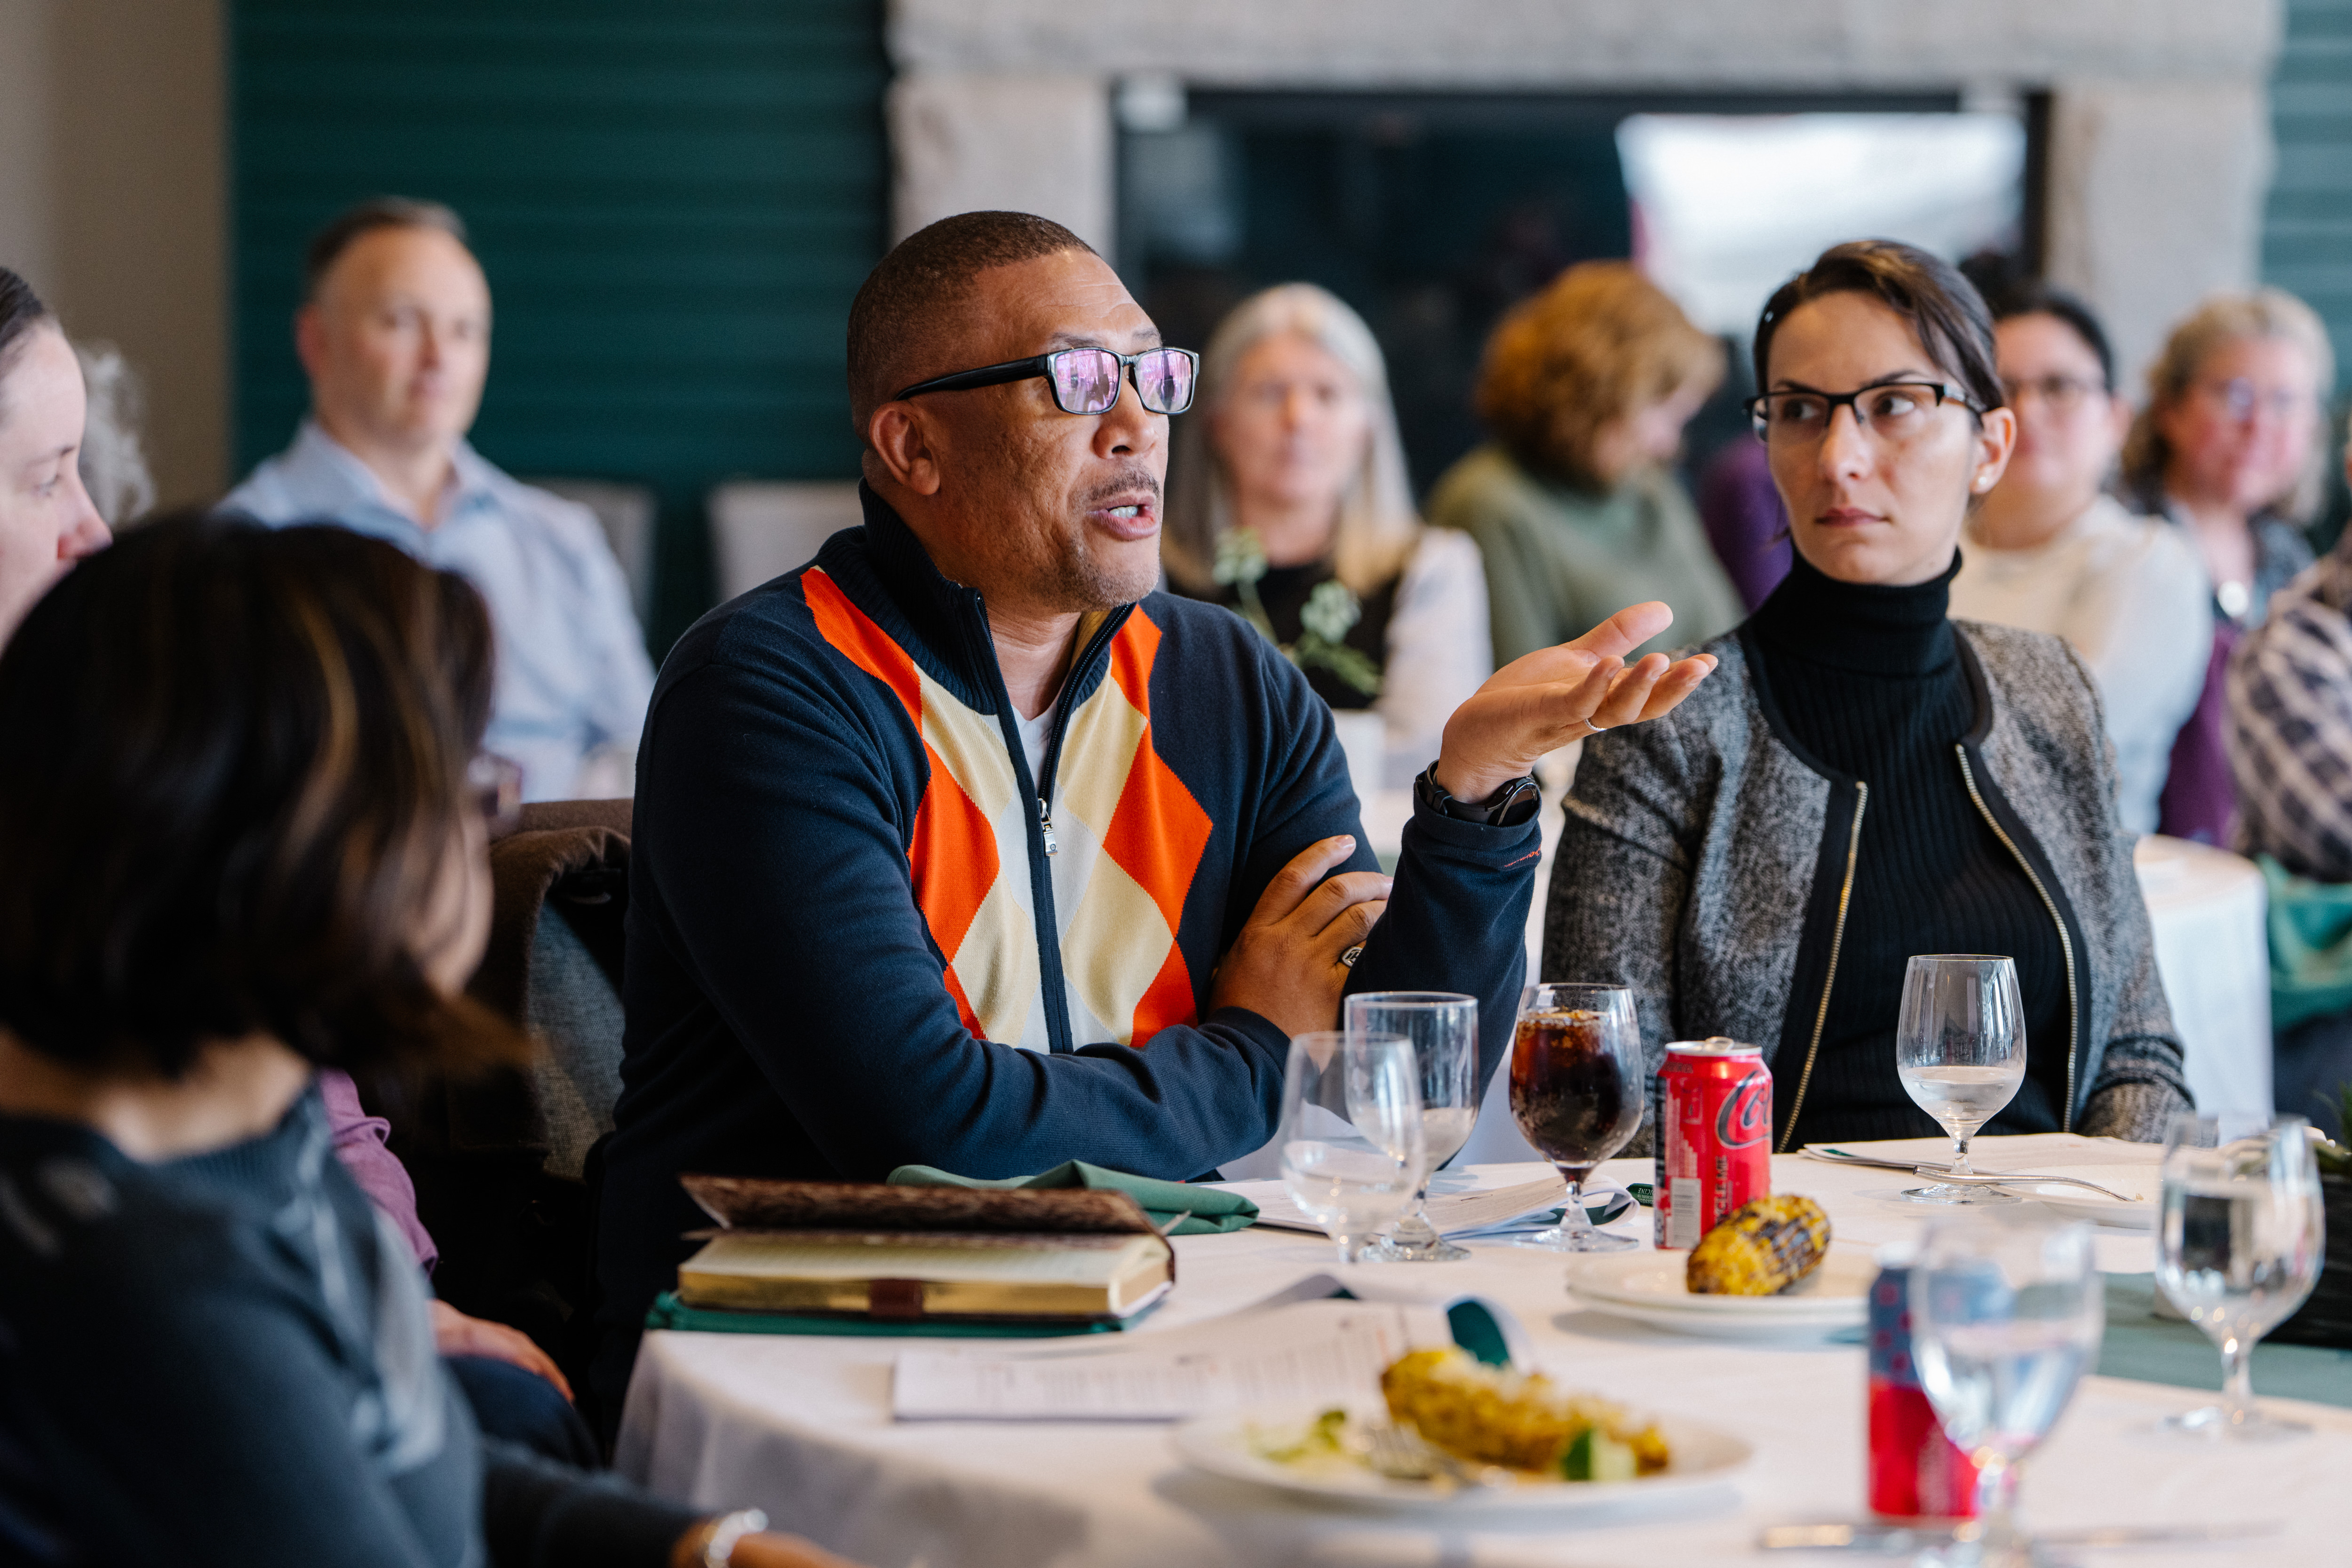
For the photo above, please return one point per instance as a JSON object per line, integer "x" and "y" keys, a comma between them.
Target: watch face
{"x": 1520, "y": 802}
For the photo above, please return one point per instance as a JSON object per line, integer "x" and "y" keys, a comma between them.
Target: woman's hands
{"x": 454, "y": 1333}
{"x": 1534, "y": 706}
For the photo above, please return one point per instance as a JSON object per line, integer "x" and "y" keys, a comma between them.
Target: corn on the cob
{"x": 1495, "y": 1415}
{"x": 1761, "y": 1248}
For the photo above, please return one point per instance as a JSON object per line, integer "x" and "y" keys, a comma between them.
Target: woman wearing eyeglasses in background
{"x": 2049, "y": 550}
{"x": 1864, "y": 779}
{"x": 2231, "y": 448}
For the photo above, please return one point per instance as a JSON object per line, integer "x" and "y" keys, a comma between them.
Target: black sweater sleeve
{"x": 540, "y": 1514}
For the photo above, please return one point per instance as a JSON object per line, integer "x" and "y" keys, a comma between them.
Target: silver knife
{"x": 1898, "y": 1540}
{"x": 1839, "y": 1157}
{"x": 1946, "y": 1173}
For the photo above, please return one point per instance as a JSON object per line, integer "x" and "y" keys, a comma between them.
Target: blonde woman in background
{"x": 2231, "y": 449}
{"x": 1288, "y": 501}
{"x": 1587, "y": 388}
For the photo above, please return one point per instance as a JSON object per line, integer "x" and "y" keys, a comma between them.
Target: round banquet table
{"x": 2207, "y": 907}
{"x": 802, "y": 1427}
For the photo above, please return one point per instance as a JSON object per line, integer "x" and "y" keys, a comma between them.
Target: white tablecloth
{"x": 801, "y": 1426}
{"x": 2207, "y": 907}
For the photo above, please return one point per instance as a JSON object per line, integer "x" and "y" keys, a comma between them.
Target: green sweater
{"x": 1560, "y": 561}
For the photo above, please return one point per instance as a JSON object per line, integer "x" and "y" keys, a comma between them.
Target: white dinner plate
{"x": 1648, "y": 1286}
{"x": 2080, "y": 1203}
{"x": 1701, "y": 1455}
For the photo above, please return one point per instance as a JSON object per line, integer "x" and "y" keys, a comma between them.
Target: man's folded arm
{"x": 1456, "y": 919}
{"x": 782, "y": 887}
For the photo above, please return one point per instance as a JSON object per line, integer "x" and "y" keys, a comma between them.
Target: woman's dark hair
{"x": 20, "y": 312}
{"x": 234, "y": 781}
{"x": 2039, "y": 299}
{"x": 1945, "y": 310}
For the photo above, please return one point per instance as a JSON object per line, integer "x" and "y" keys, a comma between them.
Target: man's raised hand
{"x": 1535, "y": 705}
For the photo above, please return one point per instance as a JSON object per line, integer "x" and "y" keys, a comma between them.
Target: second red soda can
{"x": 1714, "y": 1142}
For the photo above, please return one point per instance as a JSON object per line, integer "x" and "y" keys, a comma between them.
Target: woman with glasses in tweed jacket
{"x": 1866, "y": 779}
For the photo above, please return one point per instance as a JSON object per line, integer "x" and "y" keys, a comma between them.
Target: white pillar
{"x": 1041, "y": 145}
{"x": 27, "y": 200}
{"x": 2155, "y": 201}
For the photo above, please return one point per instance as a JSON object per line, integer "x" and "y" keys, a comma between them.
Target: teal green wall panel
{"x": 675, "y": 201}
{"x": 2307, "y": 225}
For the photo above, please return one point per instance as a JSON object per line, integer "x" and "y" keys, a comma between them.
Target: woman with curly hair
{"x": 1574, "y": 506}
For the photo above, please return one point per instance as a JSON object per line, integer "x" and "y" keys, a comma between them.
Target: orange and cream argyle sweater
{"x": 861, "y": 934}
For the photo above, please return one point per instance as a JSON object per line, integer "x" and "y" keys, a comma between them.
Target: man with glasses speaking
{"x": 962, "y": 845}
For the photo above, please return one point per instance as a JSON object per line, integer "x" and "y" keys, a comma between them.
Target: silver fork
{"x": 1995, "y": 1179}
{"x": 1407, "y": 1456}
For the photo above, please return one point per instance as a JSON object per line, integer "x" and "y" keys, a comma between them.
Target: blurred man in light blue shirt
{"x": 394, "y": 331}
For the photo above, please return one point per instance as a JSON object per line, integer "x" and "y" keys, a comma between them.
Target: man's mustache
{"x": 1125, "y": 483}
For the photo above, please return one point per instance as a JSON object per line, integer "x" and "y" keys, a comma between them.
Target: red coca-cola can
{"x": 1715, "y": 1136}
{"x": 1915, "y": 1471}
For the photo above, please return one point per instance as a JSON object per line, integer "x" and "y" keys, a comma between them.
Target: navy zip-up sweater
{"x": 850, "y": 946}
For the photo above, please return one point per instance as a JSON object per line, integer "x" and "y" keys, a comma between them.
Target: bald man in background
{"x": 394, "y": 333}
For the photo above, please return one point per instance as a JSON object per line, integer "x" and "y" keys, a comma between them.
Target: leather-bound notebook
{"x": 907, "y": 1254}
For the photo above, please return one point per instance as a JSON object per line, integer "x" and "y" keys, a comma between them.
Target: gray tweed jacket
{"x": 1707, "y": 861}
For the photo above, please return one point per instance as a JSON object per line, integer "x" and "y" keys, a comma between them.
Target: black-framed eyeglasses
{"x": 1892, "y": 410}
{"x": 495, "y": 785}
{"x": 1086, "y": 381}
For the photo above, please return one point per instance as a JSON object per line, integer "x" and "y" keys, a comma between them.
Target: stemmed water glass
{"x": 2240, "y": 1236}
{"x": 1444, "y": 1028}
{"x": 2007, "y": 1310}
{"x": 1960, "y": 1049}
{"x": 1352, "y": 1146}
{"x": 1578, "y": 1083}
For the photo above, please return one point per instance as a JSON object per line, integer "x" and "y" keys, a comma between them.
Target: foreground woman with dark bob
{"x": 1866, "y": 779}
{"x": 240, "y": 846}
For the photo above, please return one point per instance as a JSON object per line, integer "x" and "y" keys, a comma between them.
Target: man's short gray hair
{"x": 327, "y": 246}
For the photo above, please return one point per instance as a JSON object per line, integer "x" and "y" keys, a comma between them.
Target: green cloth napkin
{"x": 669, "y": 1312}
{"x": 1211, "y": 1209}
{"x": 2310, "y": 926}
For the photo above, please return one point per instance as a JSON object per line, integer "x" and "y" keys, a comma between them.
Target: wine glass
{"x": 1578, "y": 1083}
{"x": 2240, "y": 1236}
{"x": 1960, "y": 1049}
{"x": 1351, "y": 1140}
{"x": 1444, "y": 1028}
{"x": 2007, "y": 1310}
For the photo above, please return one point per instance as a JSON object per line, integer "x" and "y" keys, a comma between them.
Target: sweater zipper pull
{"x": 1046, "y": 821}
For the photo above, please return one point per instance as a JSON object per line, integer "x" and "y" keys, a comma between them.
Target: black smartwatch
{"x": 1509, "y": 806}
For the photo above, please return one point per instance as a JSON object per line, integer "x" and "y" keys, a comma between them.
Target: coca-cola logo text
{"x": 1747, "y": 1114}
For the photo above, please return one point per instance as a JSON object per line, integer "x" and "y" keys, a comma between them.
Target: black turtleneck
{"x": 1867, "y": 682}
